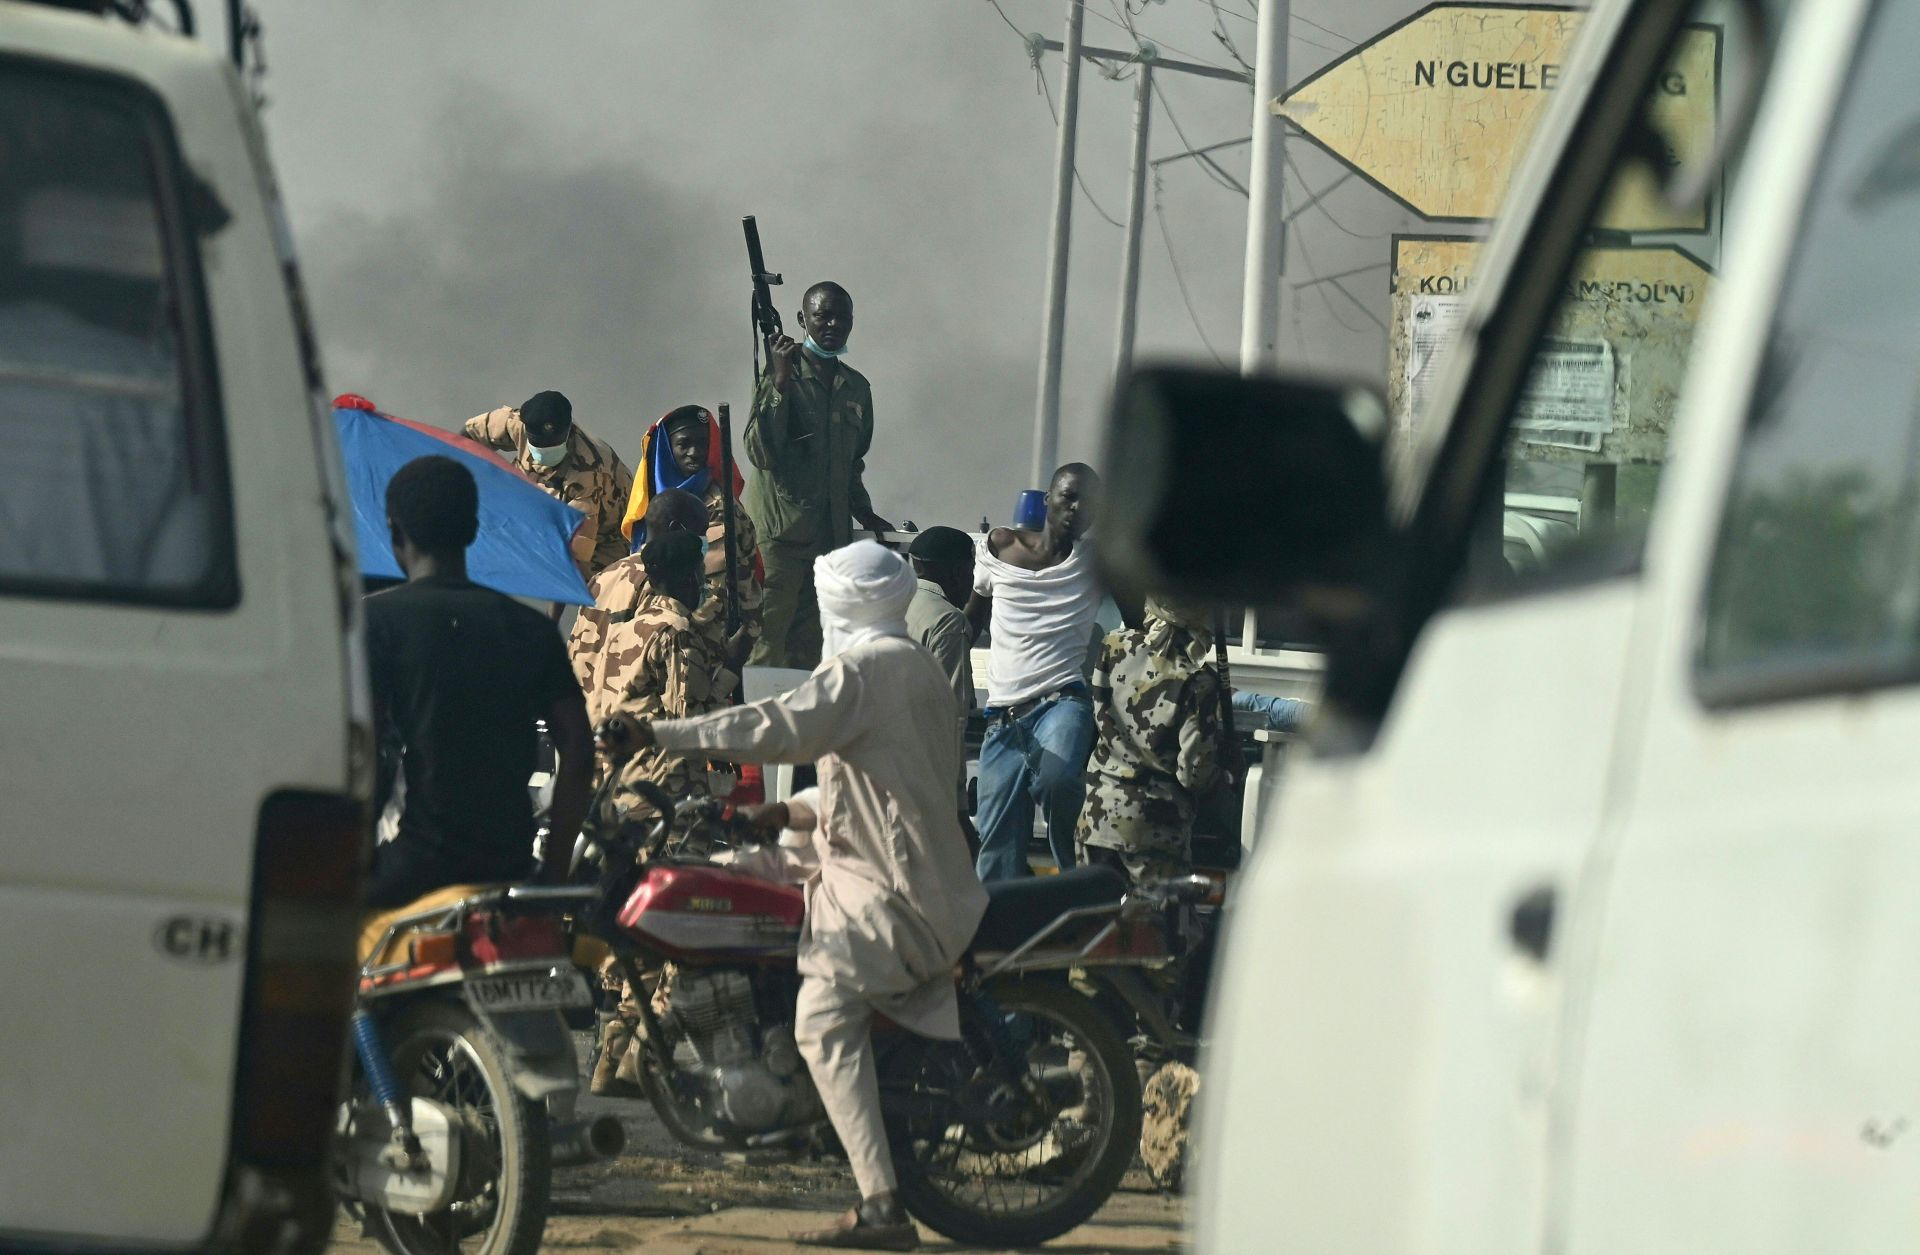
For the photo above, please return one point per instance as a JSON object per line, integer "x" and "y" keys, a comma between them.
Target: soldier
{"x": 571, "y": 465}
{"x": 658, "y": 666}
{"x": 682, "y": 452}
{"x": 808, "y": 436}
{"x": 618, "y": 592}
{"x": 1156, "y": 697}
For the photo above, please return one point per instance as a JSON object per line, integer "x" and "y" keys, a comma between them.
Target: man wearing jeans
{"x": 1039, "y": 590}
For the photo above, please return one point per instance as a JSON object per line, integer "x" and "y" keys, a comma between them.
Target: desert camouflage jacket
{"x": 591, "y": 479}
{"x": 619, "y": 590}
{"x": 1156, "y": 699}
{"x": 659, "y": 665}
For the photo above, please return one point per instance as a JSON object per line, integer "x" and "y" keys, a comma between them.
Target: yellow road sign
{"x": 1607, "y": 379}
{"x": 1437, "y": 110}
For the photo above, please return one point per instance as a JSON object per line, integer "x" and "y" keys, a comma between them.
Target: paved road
{"x": 667, "y": 1198}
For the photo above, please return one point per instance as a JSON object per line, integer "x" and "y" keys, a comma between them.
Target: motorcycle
{"x": 461, "y": 1098}
{"x": 1011, "y": 1136}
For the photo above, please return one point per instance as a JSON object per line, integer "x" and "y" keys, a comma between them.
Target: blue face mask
{"x": 814, "y": 348}
{"x": 547, "y": 455}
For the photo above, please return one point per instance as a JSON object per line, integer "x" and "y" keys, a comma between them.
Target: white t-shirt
{"x": 1042, "y": 621}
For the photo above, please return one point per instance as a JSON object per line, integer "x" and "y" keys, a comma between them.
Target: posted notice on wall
{"x": 1432, "y": 323}
{"x": 1568, "y": 400}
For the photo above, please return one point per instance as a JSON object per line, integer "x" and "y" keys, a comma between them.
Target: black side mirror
{"x": 1243, "y": 490}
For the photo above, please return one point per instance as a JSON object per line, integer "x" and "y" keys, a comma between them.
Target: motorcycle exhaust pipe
{"x": 588, "y": 1141}
{"x": 1063, "y": 1086}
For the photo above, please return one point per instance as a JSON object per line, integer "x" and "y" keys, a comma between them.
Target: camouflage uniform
{"x": 660, "y": 665}
{"x": 809, "y": 445}
{"x": 1156, "y": 699}
{"x": 653, "y": 662}
{"x": 591, "y": 479}
{"x": 746, "y": 539}
{"x": 619, "y": 590}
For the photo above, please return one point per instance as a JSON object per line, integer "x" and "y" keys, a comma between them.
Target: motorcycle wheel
{"x": 441, "y": 1051}
{"x": 1035, "y": 1168}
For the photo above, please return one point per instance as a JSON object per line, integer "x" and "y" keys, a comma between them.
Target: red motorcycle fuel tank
{"x": 711, "y": 912}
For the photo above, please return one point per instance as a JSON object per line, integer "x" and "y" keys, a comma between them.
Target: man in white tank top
{"x": 1040, "y": 591}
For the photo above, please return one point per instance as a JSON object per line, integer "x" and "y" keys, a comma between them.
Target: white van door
{"x": 1744, "y": 1067}
{"x": 173, "y": 665}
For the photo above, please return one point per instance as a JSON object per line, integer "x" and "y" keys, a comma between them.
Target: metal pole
{"x": 1266, "y": 223}
{"x": 1046, "y": 421}
{"x": 1136, "y": 223}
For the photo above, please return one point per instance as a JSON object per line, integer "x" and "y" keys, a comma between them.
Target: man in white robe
{"x": 895, "y": 900}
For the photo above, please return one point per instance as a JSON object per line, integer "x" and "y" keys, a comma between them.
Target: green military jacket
{"x": 810, "y": 445}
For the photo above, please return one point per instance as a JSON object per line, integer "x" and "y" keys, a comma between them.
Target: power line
{"x": 1226, "y": 40}
{"x": 1126, "y": 24}
{"x": 1009, "y": 21}
{"x": 1040, "y": 82}
{"x": 1340, "y": 226}
{"x": 1325, "y": 30}
{"x": 1320, "y": 283}
{"x": 1298, "y": 38}
{"x": 1213, "y": 170}
{"x": 1040, "y": 77}
{"x": 1173, "y": 260}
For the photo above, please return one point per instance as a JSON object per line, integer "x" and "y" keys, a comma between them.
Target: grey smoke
{"x": 491, "y": 198}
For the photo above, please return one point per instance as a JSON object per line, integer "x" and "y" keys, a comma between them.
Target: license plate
{"x": 530, "y": 991}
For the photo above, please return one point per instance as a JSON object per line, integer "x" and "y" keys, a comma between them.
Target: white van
{"x": 1593, "y": 927}
{"x": 183, "y": 728}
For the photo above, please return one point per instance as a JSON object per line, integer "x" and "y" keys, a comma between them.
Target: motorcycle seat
{"x": 1017, "y": 909}
{"x": 374, "y": 925}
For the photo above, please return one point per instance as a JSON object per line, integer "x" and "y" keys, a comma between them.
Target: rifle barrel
{"x": 727, "y": 505}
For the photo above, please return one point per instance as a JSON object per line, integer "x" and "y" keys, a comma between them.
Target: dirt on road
{"x": 665, "y": 1197}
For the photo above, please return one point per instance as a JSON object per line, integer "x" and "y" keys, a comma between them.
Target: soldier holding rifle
{"x": 808, "y": 436}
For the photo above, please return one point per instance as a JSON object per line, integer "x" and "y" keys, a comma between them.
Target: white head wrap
{"x": 863, "y": 589}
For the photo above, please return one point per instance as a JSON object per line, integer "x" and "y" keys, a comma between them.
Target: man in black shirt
{"x": 459, "y": 674}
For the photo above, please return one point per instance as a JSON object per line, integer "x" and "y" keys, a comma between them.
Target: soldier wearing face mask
{"x": 808, "y": 438}
{"x": 570, "y": 464}
{"x": 604, "y": 642}
{"x": 659, "y": 665}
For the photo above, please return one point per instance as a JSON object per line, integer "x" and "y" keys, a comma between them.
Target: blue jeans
{"x": 1038, "y": 759}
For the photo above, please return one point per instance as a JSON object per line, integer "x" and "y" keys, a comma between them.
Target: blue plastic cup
{"x": 1030, "y": 512}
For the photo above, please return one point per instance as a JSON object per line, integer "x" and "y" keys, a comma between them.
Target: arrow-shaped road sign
{"x": 1437, "y": 110}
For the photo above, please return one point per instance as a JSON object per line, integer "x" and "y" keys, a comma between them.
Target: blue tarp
{"x": 522, "y": 548}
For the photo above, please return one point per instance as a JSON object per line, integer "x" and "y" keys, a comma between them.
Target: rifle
{"x": 764, "y": 316}
{"x": 727, "y": 507}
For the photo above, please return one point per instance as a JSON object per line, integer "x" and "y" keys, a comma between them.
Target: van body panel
{"x": 1739, "y": 1059}
{"x": 142, "y": 740}
{"x": 1374, "y": 1031}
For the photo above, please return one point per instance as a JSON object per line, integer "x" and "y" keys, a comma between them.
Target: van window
{"x": 112, "y": 484}
{"x": 1590, "y": 432}
{"x": 1815, "y": 583}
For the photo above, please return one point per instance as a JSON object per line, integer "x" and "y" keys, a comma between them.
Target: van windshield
{"x": 1589, "y": 434}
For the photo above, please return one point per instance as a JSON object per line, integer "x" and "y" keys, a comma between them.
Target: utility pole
{"x": 1046, "y": 424}
{"x": 1046, "y": 420}
{"x": 1136, "y": 222}
{"x": 1266, "y": 225}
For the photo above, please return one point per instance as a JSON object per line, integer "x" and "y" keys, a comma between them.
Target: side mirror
{"x": 1243, "y": 490}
